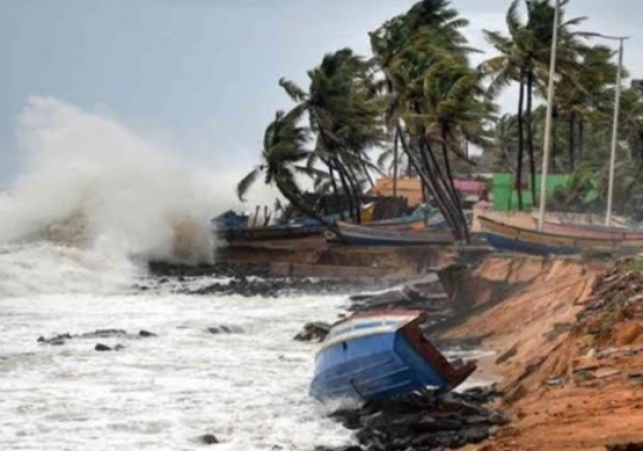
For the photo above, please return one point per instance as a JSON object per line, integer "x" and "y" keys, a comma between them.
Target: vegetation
{"x": 417, "y": 105}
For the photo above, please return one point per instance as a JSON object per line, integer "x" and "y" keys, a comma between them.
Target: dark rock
{"x": 625, "y": 447}
{"x": 475, "y": 435}
{"x": 146, "y": 334}
{"x": 208, "y": 439}
{"x": 102, "y": 348}
{"x": 424, "y": 421}
{"x": 104, "y": 333}
{"x": 56, "y": 340}
{"x": 317, "y": 331}
{"x": 223, "y": 329}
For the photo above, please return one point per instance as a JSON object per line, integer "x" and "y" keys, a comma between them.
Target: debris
{"x": 555, "y": 381}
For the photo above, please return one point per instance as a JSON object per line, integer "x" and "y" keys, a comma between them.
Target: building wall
{"x": 505, "y": 197}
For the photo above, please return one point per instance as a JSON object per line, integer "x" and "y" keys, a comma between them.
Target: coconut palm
{"x": 524, "y": 57}
{"x": 283, "y": 156}
{"x": 405, "y": 50}
{"x": 344, "y": 113}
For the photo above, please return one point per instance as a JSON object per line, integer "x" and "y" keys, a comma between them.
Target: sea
{"x": 93, "y": 203}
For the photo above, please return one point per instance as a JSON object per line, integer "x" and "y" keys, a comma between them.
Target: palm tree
{"x": 283, "y": 154}
{"x": 583, "y": 97}
{"x": 505, "y": 143}
{"x": 524, "y": 58}
{"x": 344, "y": 113}
{"x": 406, "y": 48}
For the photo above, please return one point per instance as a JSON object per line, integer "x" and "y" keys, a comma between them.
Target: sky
{"x": 201, "y": 75}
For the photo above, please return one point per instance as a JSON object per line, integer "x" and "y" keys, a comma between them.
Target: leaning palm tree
{"x": 406, "y": 49}
{"x": 344, "y": 113}
{"x": 284, "y": 154}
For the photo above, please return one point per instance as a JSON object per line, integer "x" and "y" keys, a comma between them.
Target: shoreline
{"x": 523, "y": 311}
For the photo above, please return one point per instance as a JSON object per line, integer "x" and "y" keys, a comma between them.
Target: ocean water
{"x": 249, "y": 388}
{"x": 94, "y": 203}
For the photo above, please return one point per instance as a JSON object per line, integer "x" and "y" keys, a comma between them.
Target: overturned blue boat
{"x": 382, "y": 355}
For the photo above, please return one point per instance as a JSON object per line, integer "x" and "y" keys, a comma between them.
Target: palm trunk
{"x": 572, "y": 122}
{"x": 333, "y": 183}
{"x": 439, "y": 187}
{"x": 521, "y": 144}
{"x": 395, "y": 157}
{"x": 581, "y": 137}
{"x": 454, "y": 193}
{"x": 346, "y": 188}
{"x": 427, "y": 182}
{"x": 300, "y": 205}
{"x": 354, "y": 184}
{"x": 368, "y": 175}
{"x": 530, "y": 136}
{"x": 443, "y": 189}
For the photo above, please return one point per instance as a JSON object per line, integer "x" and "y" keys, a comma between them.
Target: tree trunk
{"x": 354, "y": 184}
{"x": 581, "y": 137}
{"x": 333, "y": 182}
{"x": 454, "y": 193}
{"x": 427, "y": 182}
{"x": 346, "y": 188}
{"x": 443, "y": 189}
{"x": 521, "y": 144}
{"x": 572, "y": 122}
{"x": 300, "y": 205}
{"x": 439, "y": 187}
{"x": 395, "y": 157}
{"x": 530, "y": 136}
{"x": 368, "y": 175}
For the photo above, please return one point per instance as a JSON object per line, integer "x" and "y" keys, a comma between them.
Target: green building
{"x": 505, "y": 192}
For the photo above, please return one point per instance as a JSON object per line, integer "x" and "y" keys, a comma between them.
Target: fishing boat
{"x": 368, "y": 236}
{"x": 592, "y": 230}
{"x": 418, "y": 220}
{"x": 520, "y": 239}
{"x": 270, "y": 233}
{"x": 381, "y": 355}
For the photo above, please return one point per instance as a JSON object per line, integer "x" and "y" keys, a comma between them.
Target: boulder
{"x": 208, "y": 439}
{"x": 317, "y": 331}
{"x": 102, "y": 348}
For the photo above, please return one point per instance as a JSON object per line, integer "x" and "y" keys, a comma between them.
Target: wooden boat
{"x": 269, "y": 233}
{"x": 369, "y": 236}
{"x": 519, "y": 239}
{"x": 380, "y": 355}
{"x": 592, "y": 230}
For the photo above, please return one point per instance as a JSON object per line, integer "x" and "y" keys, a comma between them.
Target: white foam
{"x": 90, "y": 181}
{"x": 250, "y": 389}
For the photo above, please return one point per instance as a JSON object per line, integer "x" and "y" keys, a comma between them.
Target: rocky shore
{"x": 250, "y": 279}
{"x": 423, "y": 422}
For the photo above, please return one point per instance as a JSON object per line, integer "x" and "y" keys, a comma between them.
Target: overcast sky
{"x": 203, "y": 73}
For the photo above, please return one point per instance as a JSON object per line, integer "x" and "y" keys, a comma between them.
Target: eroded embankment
{"x": 568, "y": 341}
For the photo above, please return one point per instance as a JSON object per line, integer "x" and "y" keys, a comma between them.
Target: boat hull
{"x": 593, "y": 231}
{"x": 381, "y": 355}
{"x": 368, "y": 236}
{"x": 519, "y": 239}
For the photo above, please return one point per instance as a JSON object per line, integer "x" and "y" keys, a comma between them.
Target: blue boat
{"x": 230, "y": 221}
{"x": 382, "y": 355}
{"x": 377, "y": 236}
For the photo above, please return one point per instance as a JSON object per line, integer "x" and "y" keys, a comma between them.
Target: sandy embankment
{"x": 564, "y": 388}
